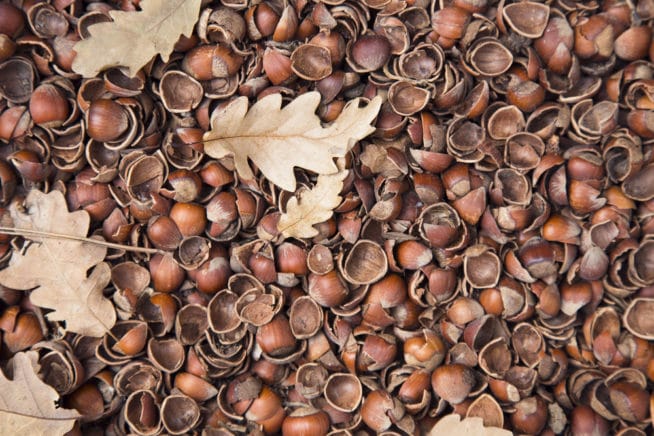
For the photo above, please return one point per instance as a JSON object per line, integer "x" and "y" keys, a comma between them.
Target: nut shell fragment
{"x": 343, "y": 391}
{"x": 311, "y": 62}
{"x": 365, "y": 263}
{"x": 637, "y": 318}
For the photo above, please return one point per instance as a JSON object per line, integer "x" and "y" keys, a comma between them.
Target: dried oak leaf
{"x": 376, "y": 157}
{"x": 451, "y": 425}
{"x": 277, "y": 140}
{"x": 311, "y": 207}
{"x": 134, "y": 38}
{"x": 28, "y": 405}
{"x": 57, "y": 267}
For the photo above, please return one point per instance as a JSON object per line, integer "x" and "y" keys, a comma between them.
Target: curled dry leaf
{"x": 277, "y": 139}
{"x": 452, "y": 425}
{"x": 311, "y": 207}
{"x": 380, "y": 159}
{"x": 57, "y": 267}
{"x": 27, "y": 404}
{"x": 134, "y": 38}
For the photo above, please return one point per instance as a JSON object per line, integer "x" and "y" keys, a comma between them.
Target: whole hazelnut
{"x": 106, "y": 120}
{"x": 12, "y": 19}
{"x": 371, "y": 52}
{"x": 7, "y": 47}
{"x": 48, "y": 106}
{"x": 306, "y": 421}
{"x": 190, "y": 218}
{"x": 87, "y": 400}
{"x": 634, "y": 43}
{"x": 585, "y": 422}
{"x": 332, "y": 41}
{"x": 450, "y": 22}
{"x": 167, "y": 274}
{"x": 453, "y": 382}
{"x": 276, "y": 337}
{"x": 208, "y": 62}
{"x": 530, "y": 415}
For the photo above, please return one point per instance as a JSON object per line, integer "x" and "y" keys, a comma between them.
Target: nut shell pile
{"x": 492, "y": 255}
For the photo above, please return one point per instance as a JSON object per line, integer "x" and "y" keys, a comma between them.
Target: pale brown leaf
{"x": 57, "y": 268}
{"x": 277, "y": 140}
{"x": 28, "y": 405}
{"x": 134, "y": 38}
{"x": 376, "y": 157}
{"x": 311, "y": 207}
{"x": 451, "y": 425}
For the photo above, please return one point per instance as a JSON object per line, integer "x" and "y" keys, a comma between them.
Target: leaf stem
{"x": 37, "y": 233}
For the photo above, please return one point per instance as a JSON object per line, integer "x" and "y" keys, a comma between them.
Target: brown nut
{"x": 276, "y": 338}
{"x": 450, "y": 22}
{"x": 263, "y": 267}
{"x": 377, "y": 352}
{"x": 194, "y": 386}
{"x": 634, "y": 43}
{"x": 12, "y": 20}
{"x": 594, "y": 38}
{"x": 106, "y": 120}
{"x": 277, "y": 67}
{"x": 464, "y": 310}
{"x": 48, "y": 106}
{"x": 287, "y": 25}
{"x": 167, "y": 274}
{"x": 586, "y": 422}
{"x": 413, "y": 254}
{"x": 163, "y": 233}
{"x": 190, "y": 218}
{"x": 379, "y": 412}
{"x": 491, "y": 301}
{"x": 530, "y": 415}
{"x": 261, "y": 20}
{"x": 13, "y": 122}
{"x": 388, "y": 292}
{"x": 25, "y": 332}
{"x": 207, "y": 62}
{"x": 306, "y": 421}
{"x": 630, "y": 400}
{"x": 453, "y": 382}
{"x": 291, "y": 258}
{"x": 328, "y": 289}
{"x": 555, "y": 44}
{"x": 415, "y": 386}
{"x": 7, "y": 47}
{"x": 369, "y": 53}
{"x": 526, "y": 95}
{"x": 559, "y": 228}
{"x": 332, "y": 41}
{"x": 213, "y": 274}
{"x": 426, "y": 350}
{"x": 331, "y": 110}
{"x": 265, "y": 406}
{"x": 87, "y": 400}
{"x": 133, "y": 339}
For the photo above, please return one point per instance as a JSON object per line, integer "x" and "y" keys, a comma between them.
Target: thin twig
{"x": 33, "y": 233}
